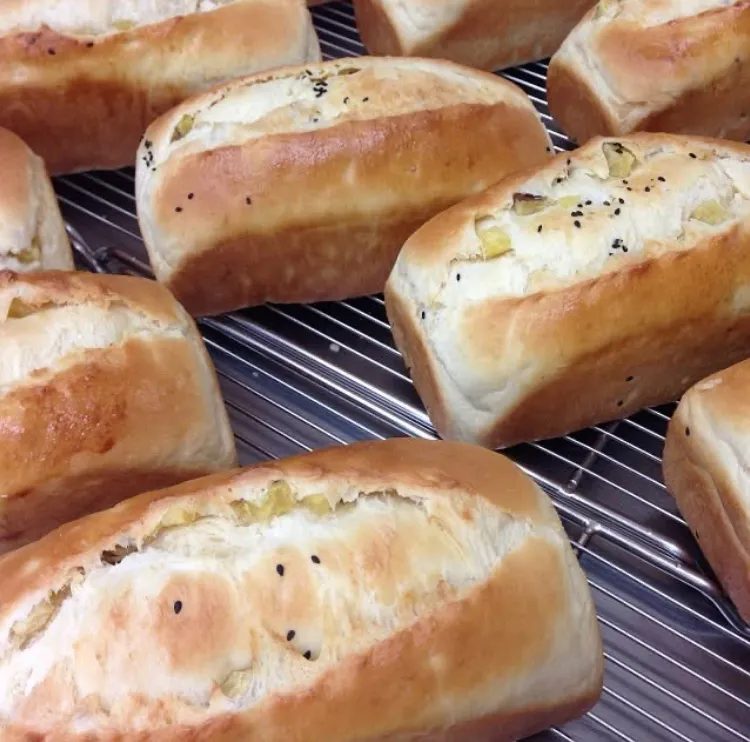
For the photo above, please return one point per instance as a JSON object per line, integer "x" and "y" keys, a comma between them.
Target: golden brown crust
{"x": 454, "y": 671}
{"x": 481, "y": 33}
{"x": 319, "y": 215}
{"x": 704, "y": 465}
{"x": 685, "y": 76}
{"x": 578, "y": 355}
{"x": 72, "y": 427}
{"x": 84, "y": 102}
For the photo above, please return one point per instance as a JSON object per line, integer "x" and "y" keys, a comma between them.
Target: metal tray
{"x": 297, "y": 378}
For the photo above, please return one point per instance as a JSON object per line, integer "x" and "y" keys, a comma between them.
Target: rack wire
{"x": 296, "y": 378}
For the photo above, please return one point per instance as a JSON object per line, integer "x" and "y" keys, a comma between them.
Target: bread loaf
{"x": 395, "y": 590}
{"x": 611, "y": 279}
{"x": 655, "y": 65}
{"x": 706, "y": 457}
{"x": 302, "y": 185}
{"x": 80, "y": 80}
{"x": 489, "y": 34}
{"x": 32, "y": 232}
{"x": 106, "y": 390}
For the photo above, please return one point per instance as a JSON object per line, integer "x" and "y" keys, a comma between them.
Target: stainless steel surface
{"x": 302, "y": 377}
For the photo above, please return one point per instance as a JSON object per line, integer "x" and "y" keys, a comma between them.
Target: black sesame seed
{"x": 539, "y": 228}
{"x": 89, "y": 44}
{"x": 191, "y": 196}
{"x": 629, "y": 379}
{"x": 177, "y": 606}
{"x": 663, "y": 180}
{"x": 577, "y": 223}
{"x": 620, "y": 403}
{"x": 617, "y": 212}
{"x": 624, "y": 182}
{"x": 290, "y": 635}
{"x": 630, "y": 189}
{"x": 693, "y": 155}
{"x": 624, "y": 248}
{"x": 458, "y": 276}
{"x": 346, "y": 100}
{"x": 178, "y": 209}
{"x": 621, "y": 200}
{"x": 51, "y": 52}
{"x": 364, "y": 100}
{"x": 687, "y": 432}
{"x": 424, "y": 314}
{"x": 580, "y": 206}
{"x": 647, "y": 189}
{"x": 588, "y": 203}
{"x": 315, "y": 558}
{"x": 607, "y": 203}
{"x": 280, "y": 570}
{"x": 148, "y": 144}
{"x": 307, "y": 655}
{"x": 248, "y": 200}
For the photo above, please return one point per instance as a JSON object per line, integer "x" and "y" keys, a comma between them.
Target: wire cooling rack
{"x": 296, "y": 378}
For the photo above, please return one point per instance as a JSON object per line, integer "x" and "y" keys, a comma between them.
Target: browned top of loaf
{"x": 639, "y": 56}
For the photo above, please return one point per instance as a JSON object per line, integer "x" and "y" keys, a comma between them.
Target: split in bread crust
{"x": 106, "y": 390}
{"x": 301, "y": 185}
{"x": 606, "y": 281}
{"x": 364, "y": 592}
{"x": 677, "y": 66}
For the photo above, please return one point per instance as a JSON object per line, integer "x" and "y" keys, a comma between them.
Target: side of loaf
{"x": 380, "y": 591}
{"x": 671, "y": 66}
{"x": 106, "y": 391}
{"x": 488, "y": 34}
{"x": 706, "y": 460}
{"x": 32, "y": 231}
{"x": 80, "y": 82}
{"x": 302, "y": 185}
{"x": 609, "y": 280}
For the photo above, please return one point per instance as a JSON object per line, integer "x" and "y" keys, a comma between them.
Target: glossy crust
{"x": 573, "y": 326}
{"x": 32, "y": 231}
{"x": 83, "y": 102}
{"x": 513, "y": 651}
{"x": 488, "y": 34}
{"x": 705, "y": 469}
{"x": 290, "y": 194}
{"x": 107, "y": 391}
{"x": 655, "y": 65}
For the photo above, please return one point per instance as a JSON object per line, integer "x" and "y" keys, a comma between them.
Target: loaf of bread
{"x": 80, "y": 80}
{"x": 489, "y": 34}
{"x": 302, "y": 185}
{"x": 32, "y": 231}
{"x": 106, "y": 391}
{"x": 706, "y": 460}
{"x": 395, "y": 590}
{"x": 611, "y": 279}
{"x": 655, "y": 65}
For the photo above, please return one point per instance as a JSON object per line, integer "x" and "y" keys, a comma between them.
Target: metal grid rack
{"x": 297, "y": 378}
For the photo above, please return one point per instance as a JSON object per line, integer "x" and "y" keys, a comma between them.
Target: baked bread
{"x": 80, "y": 80}
{"x": 302, "y": 185}
{"x": 489, "y": 34}
{"x": 106, "y": 391}
{"x": 706, "y": 457}
{"x": 396, "y": 590}
{"x": 32, "y": 231}
{"x": 655, "y": 65}
{"x": 611, "y": 279}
